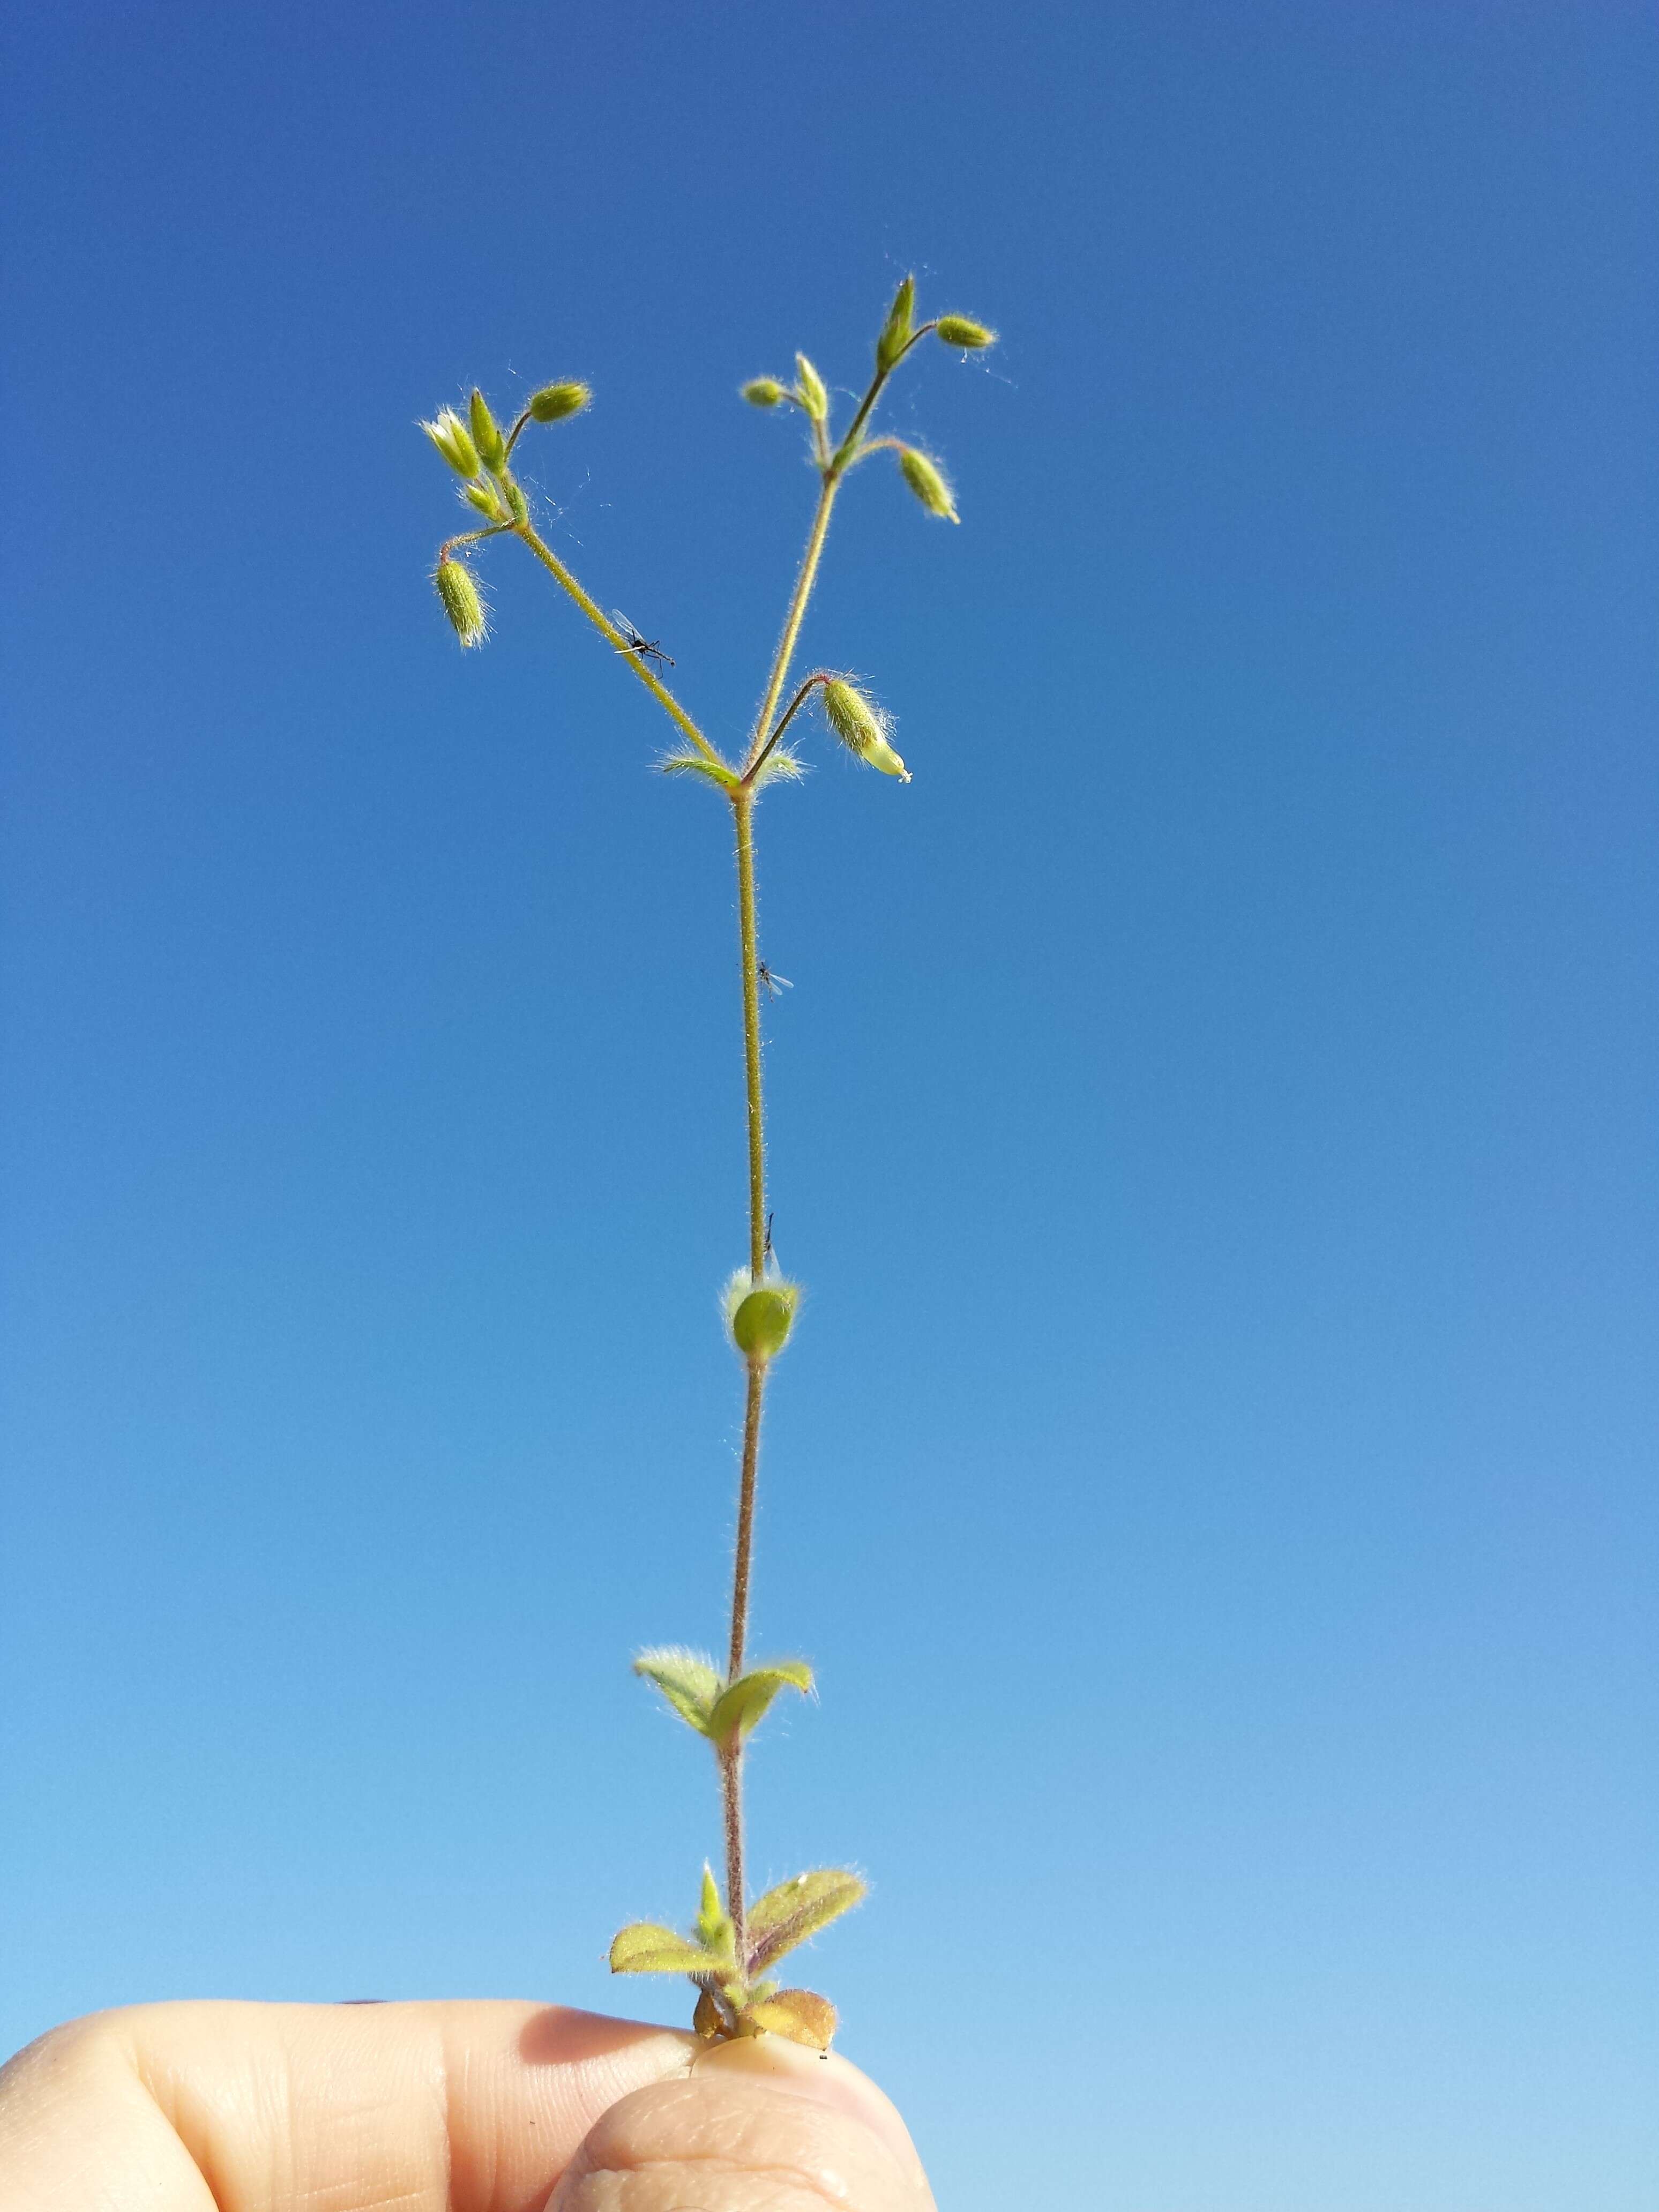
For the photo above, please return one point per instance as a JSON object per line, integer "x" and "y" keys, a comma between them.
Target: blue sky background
{"x": 1215, "y": 1116}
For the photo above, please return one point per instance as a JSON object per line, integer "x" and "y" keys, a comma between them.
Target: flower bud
{"x": 760, "y": 1315}
{"x": 554, "y": 402}
{"x": 927, "y": 479}
{"x": 448, "y": 434}
{"x": 958, "y": 331}
{"x": 492, "y": 447}
{"x": 518, "y": 505}
{"x": 896, "y": 330}
{"x": 763, "y": 392}
{"x": 861, "y": 727}
{"x": 810, "y": 384}
{"x": 461, "y": 602}
{"x": 483, "y": 498}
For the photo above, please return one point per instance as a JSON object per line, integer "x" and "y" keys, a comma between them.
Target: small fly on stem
{"x": 647, "y": 648}
{"x": 771, "y": 982}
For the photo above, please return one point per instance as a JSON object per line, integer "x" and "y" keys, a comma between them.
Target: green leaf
{"x": 686, "y": 1679}
{"x": 739, "y": 1708}
{"x": 646, "y": 1948}
{"x": 793, "y": 1911}
{"x": 801, "y": 2015}
{"x": 714, "y": 1930}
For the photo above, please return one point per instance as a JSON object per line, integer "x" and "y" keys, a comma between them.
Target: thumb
{"x": 756, "y": 2126}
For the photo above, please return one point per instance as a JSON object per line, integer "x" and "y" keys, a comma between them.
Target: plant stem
{"x": 743, "y": 808}
{"x": 791, "y": 622}
{"x": 732, "y": 1757}
{"x": 743, "y": 811}
{"x": 658, "y": 690}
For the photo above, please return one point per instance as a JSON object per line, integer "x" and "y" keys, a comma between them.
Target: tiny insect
{"x": 774, "y": 983}
{"x": 767, "y": 1253}
{"x": 647, "y": 648}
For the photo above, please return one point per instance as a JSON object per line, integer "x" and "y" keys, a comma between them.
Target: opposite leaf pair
{"x": 724, "y": 1712}
{"x": 737, "y": 1996}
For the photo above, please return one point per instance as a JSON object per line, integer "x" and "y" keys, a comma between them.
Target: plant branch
{"x": 658, "y": 690}
{"x": 784, "y": 721}
{"x": 847, "y": 447}
{"x": 471, "y": 537}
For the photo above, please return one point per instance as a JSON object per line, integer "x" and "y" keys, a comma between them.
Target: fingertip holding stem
{"x": 774, "y": 2061}
{"x": 760, "y": 2124}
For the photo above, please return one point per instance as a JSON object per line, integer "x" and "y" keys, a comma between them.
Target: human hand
{"x": 453, "y": 2107}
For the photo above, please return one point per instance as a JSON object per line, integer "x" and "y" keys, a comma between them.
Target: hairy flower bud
{"x": 760, "y": 1315}
{"x": 810, "y": 384}
{"x": 554, "y": 402}
{"x": 461, "y": 602}
{"x": 896, "y": 330}
{"x": 763, "y": 392}
{"x": 492, "y": 447}
{"x": 927, "y": 479}
{"x": 861, "y": 727}
{"x": 448, "y": 434}
{"x": 483, "y": 496}
{"x": 958, "y": 331}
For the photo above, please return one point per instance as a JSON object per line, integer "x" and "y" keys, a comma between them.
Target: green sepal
{"x": 686, "y": 1680}
{"x": 740, "y": 1707}
{"x": 486, "y": 435}
{"x": 809, "y": 388}
{"x": 461, "y": 602}
{"x": 519, "y": 505}
{"x": 644, "y": 1948}
{"x": 483, "y": 496}
{"x": 450, "y": 435}
{"x": 896, "y": 330}
{"x": 927, "y": 480}
{"x": 554, "y": 403}
{"x": 962, "y": 330}
{"x": 793, "y": 1911}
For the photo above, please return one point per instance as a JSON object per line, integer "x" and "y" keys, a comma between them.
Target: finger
{"x": 464, "y": 2107}
{"x": 755, "y": 2127}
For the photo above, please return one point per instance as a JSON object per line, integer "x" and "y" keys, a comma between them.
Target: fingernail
{"x": 773, "y": 2062}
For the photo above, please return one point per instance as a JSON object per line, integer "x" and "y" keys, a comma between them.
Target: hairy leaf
{"x": 779, "y": 766}
{"x": 686, "y": 1679}
{"x": 646, "y": 1948}
{"x": 693, "y": 764}
{"x": 740, "y": 1707}
{"x": 714, "y": 1931}
{"x": 793, "y": 1911}
{"x": 801, "y": 2015}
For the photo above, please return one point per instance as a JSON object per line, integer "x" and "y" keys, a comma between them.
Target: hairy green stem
{"x": 743, "y": 811}
{"x": 783, "y": 722}
{"x": 791, "y": 622}
{"x": 658, "y": 690}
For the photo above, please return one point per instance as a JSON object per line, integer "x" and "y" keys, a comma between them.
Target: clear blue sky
{"x": 1215, "y": 1116}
